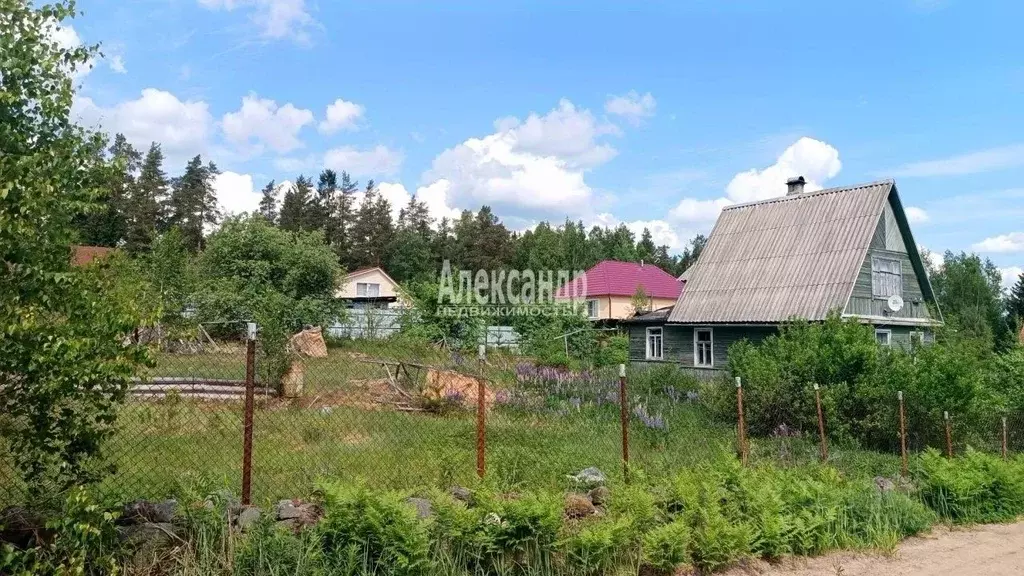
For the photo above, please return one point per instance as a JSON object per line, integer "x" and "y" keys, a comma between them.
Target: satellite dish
{"x": 895, "y": 303}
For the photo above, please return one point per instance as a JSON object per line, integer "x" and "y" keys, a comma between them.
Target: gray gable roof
{"x": 792, "y": 256}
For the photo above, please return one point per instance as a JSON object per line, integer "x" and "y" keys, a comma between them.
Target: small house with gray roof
{"x": 802, "y": 255}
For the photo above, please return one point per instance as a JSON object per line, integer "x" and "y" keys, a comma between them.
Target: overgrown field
{"x": 542, "y": 425}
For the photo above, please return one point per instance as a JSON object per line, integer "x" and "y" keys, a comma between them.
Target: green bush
{"x": 594, "y": 546}
{"x": 365, "y": 531}
{"x": 976, "y": 487}
{"x": 667, "y": 547}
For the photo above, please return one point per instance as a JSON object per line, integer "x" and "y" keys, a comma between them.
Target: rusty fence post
{"x": 903, "y": 436}
{"x": 481, "y": 415}
{"x": 742, "y": 431}
{"x": 1004, "y": 438}
{"x": 624, "y": 417}
{"x": 250, "y": 384}
{"x": 949, "y": 435}
{"x": 821, "y": 424}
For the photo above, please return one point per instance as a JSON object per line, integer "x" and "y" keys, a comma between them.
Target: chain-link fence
{"x": 434, "y": 418}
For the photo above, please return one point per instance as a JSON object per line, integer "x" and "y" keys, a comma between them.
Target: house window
{"x": 916, "y": 338}
{"x": 886, "y": 277}
{"x": 367, "y": 290}
{"x": 654, "y": 344}
{"x": 883, "y": 337}
{"x": 592, "y": 308}
{"x": 703, "y": 345}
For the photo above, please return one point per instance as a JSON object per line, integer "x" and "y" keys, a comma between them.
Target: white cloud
{"x": 1010, "y": 275}
{"x": 276, "y": 19}
{"x": 537, "y": 164}
{"x": 662, "y": 232}
{"x": 631, "y": 106}
{"x": 67, "y": 38}
{"x": 376, "y": 161}
{"x": 181, "y": 128}
{"x": 116, "y": 63}
{"x": 264, "y": 122}
{"x": 696, "y": 211}
{"x": 236, "y": 193}
{"x": 937, "y": 259}
{"x": 987, "y": 160}
{"x": 342, "y": 115}
{"x": 916, "y": 215}
{"x": 433, "y": 196}
{"x": 813, "y": 159}
{"x": 1012, "y": 242}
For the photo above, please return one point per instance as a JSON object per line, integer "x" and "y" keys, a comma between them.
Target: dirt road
{"x": 995, "y": 550}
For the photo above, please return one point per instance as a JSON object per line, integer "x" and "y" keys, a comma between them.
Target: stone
{"x": 423, "y": 507}
{"x": 599, "y": 496}
{"x": 884, "y": 484}
{"x": 578, "y": 506}
{"x": 287, "y": 510}
{"x": 590, "y": 477}
{"x": 144, "y": 511}
{"x": 248, "y": 517}
{"x": 149, "y": 541}
{"x": 462, "y": 494}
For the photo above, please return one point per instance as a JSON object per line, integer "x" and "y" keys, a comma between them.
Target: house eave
{"x": 889, "y": 321}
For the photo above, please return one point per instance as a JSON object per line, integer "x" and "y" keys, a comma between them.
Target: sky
{"x": 654, "y": 115}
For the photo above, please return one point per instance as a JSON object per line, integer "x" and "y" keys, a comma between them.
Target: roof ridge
{"x": 823, "y": 191}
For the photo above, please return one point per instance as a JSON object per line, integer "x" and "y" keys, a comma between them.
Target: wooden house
{"x": 802, "y": 255}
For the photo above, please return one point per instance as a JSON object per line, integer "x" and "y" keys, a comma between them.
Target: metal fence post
{"x": 742, "y": 433}
{"x": 1004, "y": 438}
{"x": 949, "y": 435}
{"x": 481, "y": 419}
{"x": 821, "y": 425}
{"x": 903, "y": 436}
{"x": 624, "y": 417}
{"x": 250, "y": 384}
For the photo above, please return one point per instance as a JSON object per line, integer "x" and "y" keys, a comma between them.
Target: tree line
{"x": 141, "y": 202}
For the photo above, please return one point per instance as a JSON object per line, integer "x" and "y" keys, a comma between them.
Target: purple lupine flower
{"x": 454, "y": 396}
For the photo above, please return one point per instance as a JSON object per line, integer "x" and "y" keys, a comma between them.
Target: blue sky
{"x": 654, "y": 117}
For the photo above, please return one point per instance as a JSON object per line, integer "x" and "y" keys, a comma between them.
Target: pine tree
{"x": 143, "y": 210}
{"x": 295, "y": 208}
{"x": 268, "y": 202}
{"x": 193, "y": 202}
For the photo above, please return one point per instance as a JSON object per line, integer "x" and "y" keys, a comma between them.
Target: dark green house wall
{"x": 887, "y": 242}
{"x": 678, "y": 343}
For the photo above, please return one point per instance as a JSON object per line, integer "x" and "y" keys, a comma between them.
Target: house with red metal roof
{"x": 608, "y": 289}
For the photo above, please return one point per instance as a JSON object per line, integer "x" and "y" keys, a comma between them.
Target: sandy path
{"x": 991, "y": 550}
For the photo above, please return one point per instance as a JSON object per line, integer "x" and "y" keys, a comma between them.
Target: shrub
{"x": 375, "y": 532}
{"x": 595, "y": 545}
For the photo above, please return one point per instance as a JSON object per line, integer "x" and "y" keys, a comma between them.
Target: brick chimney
{"x": 795, "y": 185}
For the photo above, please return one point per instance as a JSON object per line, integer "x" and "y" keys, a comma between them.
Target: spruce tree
{"x": 143, "y": 211}
{"x": 105, "y": 224}
{"x": 373, "y": 229}
{"x": 322, "y": 204}
{"x": 295, "y": 207}
{"x": 342, "y": 219}
{"x": 1015, "y": 302}
{"x": 411, "y": 252}
{"x": 193, "y": 202}
{"x": 268, "y": 202}
{"x": 645, "y": 248}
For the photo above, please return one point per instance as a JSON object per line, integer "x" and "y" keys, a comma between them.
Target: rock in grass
{"x": 423, "y": 507}
{"x": 287, "y": 510}
{"x": 248, "y": 517}
{"x": 578, "y": 506}
{"x": 599, "y": 496}
{"x": 589, "y": 478}
{"x": 884, "y": 484}
{"x": 462, "y": 494}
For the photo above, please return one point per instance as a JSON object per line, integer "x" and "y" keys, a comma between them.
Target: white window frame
{"x": 711, "y": 347}
{"x": 888, "y": 336}
{"x": 661, "y": 341}
{"x": 876, "y": 290}
{"x": 366, "y": 289}
{"x": 917, "y": 338}
{"x": 597, "y": 308}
